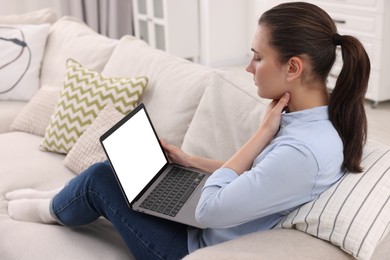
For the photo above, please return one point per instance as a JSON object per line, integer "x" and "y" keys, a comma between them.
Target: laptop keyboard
{"x": 173, "y": 191}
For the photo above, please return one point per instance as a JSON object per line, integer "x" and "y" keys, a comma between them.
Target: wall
{"x": 255, "y": 9}
{"x": 227, "y": 28}
{"x": 223, "y": 27}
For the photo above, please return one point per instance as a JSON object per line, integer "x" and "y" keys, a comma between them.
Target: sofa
{"x": 206, "y": 111}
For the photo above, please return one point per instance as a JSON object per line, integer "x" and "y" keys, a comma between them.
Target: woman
{"x": 304, "y": 144}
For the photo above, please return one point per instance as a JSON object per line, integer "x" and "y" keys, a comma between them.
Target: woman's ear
{"x": 294, "y": 68}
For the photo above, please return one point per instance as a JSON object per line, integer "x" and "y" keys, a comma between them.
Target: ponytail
{"x": 346, "y": 106}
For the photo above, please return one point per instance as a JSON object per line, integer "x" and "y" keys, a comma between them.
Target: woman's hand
{"x": 243, "y": 159}
{"x": 273, "y": 114}
{"x": 175, "y": 154}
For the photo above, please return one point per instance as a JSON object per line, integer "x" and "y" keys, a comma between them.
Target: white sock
{"x": 31, "y": 194}
{"x": 31, "y": 210}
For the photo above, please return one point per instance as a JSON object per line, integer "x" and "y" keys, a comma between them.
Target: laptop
{"x": 148, "y": 181}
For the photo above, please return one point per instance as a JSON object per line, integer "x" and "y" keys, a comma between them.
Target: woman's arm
{"x": 282, "y": 180}
{"x": 205, "y": 164}
{"x": 243, "y": 159}
{"x": 176, "y": 155}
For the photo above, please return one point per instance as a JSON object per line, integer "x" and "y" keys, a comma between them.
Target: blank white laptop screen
{"x": 135, "y": 154}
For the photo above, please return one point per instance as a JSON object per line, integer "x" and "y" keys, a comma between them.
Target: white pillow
{"x": 228, "y": 114}
{"x": 354, "y": 214}
{"x": 35, "y": 116}
{"x": 22, "y": 48}
{"x": 88, "y": 150}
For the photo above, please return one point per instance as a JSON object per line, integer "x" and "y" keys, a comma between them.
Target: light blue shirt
{"x": 302, "y": 161}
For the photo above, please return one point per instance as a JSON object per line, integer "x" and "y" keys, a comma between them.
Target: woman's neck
{"x": 306, "y": 97}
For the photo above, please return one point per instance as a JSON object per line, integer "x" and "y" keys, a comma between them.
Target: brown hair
{"x": 305, "y": 29}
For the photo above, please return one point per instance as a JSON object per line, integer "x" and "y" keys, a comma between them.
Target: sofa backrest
{"x": 174, "y": 89}
{"x": 71, "y": 38}
{"x": 46, "y": 15}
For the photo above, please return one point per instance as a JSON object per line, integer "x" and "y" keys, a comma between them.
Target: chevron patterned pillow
{"x": 87, "y": 150}
{"x": 85, "y": 93}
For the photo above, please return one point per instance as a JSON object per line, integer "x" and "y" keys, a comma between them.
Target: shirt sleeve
{"x": 283, "y": 179}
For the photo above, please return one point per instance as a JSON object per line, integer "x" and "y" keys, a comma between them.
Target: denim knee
{"x": 100, "y": 175}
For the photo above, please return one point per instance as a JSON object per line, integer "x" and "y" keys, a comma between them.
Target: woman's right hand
{"x": 175, "y": 154}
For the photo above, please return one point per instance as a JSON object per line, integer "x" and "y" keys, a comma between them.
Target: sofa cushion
{"x": 383, "y": 249}
{"x": 354, "y": 214}
{"x": 35, "y": 116}
{"x": 8, "y": 111}
{"x": 88, "y": 150}
{"x": 228, "y": 113}
{"x": 174, "y": 89}
{"x": 23, "y": 165}
{"x": 46, "y": 15}
{"x": 26, "y": 241}
{"x": 71, "y": 38}
{"x": 22, "y": 48}
{"x": 274, "y": 244}
{"x": 86, "y": 92}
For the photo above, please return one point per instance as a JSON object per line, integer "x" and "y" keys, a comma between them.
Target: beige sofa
{"x": 209, "y": 112}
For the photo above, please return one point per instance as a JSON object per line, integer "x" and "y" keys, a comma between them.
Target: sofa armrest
{"x": 276, "y": 244}
{"x": 8, "y": 112}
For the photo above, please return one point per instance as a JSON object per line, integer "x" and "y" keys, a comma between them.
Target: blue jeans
{"x": 95, "y": 193}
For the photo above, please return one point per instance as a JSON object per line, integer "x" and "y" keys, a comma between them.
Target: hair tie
{"x": 337, "y": 39}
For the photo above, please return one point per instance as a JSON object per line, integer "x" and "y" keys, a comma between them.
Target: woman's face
{"x": 268, "y": 73}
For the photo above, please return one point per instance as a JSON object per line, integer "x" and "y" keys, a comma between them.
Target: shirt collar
{"x": 307, "y": 115}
